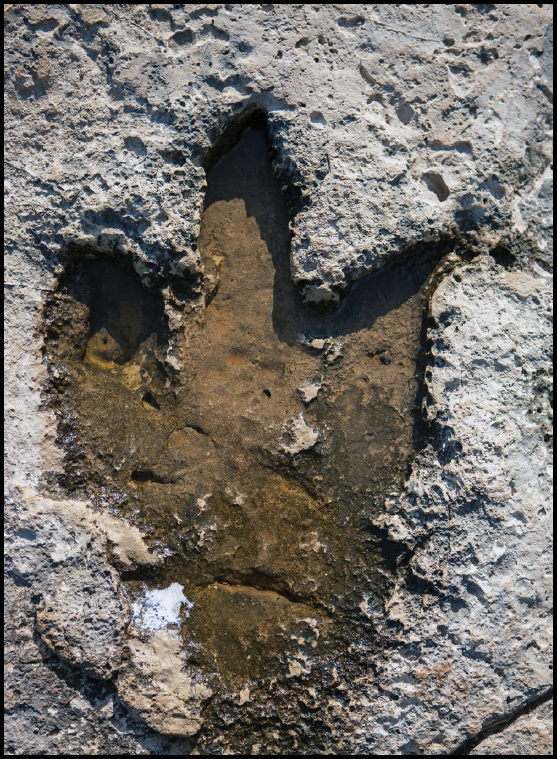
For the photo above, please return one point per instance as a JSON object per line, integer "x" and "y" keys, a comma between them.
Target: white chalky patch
{"x": 299, "y": 665}
{"x": 317, "y": 343}
{"x": 158, "y": 609}
{"x": 244, "y": 696}
{"x": 202, "y": 502}
{"x": 298, "y": 436}
{"x": 309, "y": 392}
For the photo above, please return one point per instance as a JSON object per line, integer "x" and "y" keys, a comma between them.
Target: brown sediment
{"x": 263, "y": 535}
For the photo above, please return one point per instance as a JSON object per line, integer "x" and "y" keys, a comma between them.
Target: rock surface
{"x": 60, "y": 550}
{"x": 471, "y": 615}
{"x": 531, "y": 735}
{"x": 154, "y": 684}
{"x": 396, "y": 131}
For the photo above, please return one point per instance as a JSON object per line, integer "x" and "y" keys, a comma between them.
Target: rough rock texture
{"x": 531, "y": 735}
{"x": 164, "y": 696}
{"x": 60, "y": 549}
{"x": 471, "y": 615}
{"x": 394, "y": 129}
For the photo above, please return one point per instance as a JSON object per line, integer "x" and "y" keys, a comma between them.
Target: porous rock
{"x": 531, "y": 735}
{"x": 59, "y": 548}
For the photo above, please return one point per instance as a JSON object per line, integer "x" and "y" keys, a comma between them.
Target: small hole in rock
{"x": 149, "y": 402}
{"x": 503, "y": 256}
{"x": 436, "y": 184}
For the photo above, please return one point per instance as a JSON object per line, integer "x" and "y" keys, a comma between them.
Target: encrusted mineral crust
{"x": 392, "y": 126}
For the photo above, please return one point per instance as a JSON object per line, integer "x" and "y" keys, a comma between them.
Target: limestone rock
{"x": 125, "y": 543}
{"x": 60, "y": 550}
{"x": 155, "y": 685}
{"x": 309, "y": 392}
{"x": 530, "y": 735}
{"x": 473, "y": 605}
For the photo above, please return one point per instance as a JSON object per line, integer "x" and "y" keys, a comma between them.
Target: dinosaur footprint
{"x": 259, "y": 471}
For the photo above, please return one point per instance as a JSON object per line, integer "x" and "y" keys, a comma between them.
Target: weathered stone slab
{"x": 393, "y": 589}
